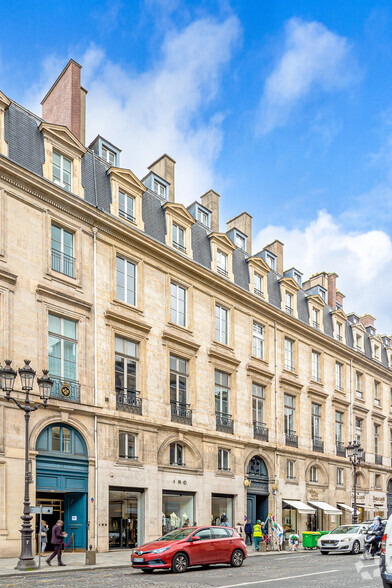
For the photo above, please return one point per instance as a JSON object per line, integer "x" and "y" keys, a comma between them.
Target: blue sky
{"x": 284, "y": 108}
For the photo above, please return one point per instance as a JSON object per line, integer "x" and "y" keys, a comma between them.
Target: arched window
{"x": 62, "y": 439}
{"x": 176, "y": 454}
{"x": 313, "y": 474}
{"x": 257, "y": 468}
{"x": 389, "y": 487}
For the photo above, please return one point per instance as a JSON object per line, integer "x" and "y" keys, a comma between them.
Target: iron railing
{"x": 378, "y": 459}
{"x": 224, "y": 422}
{"x": 128, "y": 400}
{"x": 318, "y": 444}
{"x": 289, "y": 310}
{"x": 258, "y": 292}
{"x": 316, "y": 325}
{"x": 340, "y": 449}
{"x": 260, "y": 431}
{"x": 63, "y": 263}
{"x": 291, "y": 439}
{"x": 126, "y": 215}
{"x": 222, "y": 271}
{"x": 181, "y": 413}
{"x": 65, "y": 389}
{"x": 179, "y": 246}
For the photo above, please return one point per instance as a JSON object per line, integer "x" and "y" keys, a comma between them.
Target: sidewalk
{"x": 76, "y": 561}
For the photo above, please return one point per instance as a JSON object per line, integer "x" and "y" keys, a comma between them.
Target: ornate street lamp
{"x": 7, "y": 380}
{"x": 355, "y": 455}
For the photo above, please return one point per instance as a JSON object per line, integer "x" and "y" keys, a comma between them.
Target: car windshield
{"x": 177, "y": 534}
{"x": 346, "y": 530}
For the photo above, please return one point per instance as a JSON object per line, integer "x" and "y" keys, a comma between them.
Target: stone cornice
{"x": 4, "y": 101}
{"x": 62, "y": 297}
{"x": 130, "y": 321}
{"x": 258, "y": 369}
{"x": 6, "y": 276}
{"x": 217, "y": 354}
{"x": 173, "y": 338}
{"x": 286, "y": 381}
{"x": 317, "y": 392}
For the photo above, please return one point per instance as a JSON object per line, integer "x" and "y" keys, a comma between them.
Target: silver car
{"x": 343, "y": 539}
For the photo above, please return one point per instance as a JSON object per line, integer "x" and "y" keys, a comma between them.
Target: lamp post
{"x": 355, "y": 455}
{"x": 7, "y": 380}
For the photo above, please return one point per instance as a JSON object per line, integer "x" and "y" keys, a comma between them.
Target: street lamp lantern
{"x": 27, "y": 375}
{"x": 7, "y": 377}
{"x": 45, "y": 386}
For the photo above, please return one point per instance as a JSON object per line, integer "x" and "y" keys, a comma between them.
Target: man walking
{"x": 57, "y": 540}
{"x": 257, "y": 535}
{"x": 248, "y": 533}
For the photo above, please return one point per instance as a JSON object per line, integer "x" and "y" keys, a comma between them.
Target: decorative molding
{"x": 290, "y": 284}
{"x": 64, "y": 135}
{"x": 127, "y": 177}
{"x": 181, "y": 341}
{"x": 290, "y": 382}
{"x": 358, "y": 408}
{"x": 62, "y": 297}
{"x": 222, "y": 240}
{"x": 178, "y": 211}
{"x": 216, "y": 354}
{"x": 340, "y": 401}
{"x": 318, "y": 392}
{"x": 115, "y": 317}
{"x": 259, "y": 370}
{"x": 8, "y": 277}
{"x": 259, "y": 264}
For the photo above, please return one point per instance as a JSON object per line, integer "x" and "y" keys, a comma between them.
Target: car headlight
{"x": 161, "y": 550}
{"x": 345, "y": 540}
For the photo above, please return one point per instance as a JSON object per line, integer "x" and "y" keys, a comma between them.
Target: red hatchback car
{"x": 191, "y": 546}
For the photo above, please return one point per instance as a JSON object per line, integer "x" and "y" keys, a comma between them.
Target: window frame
{"x": 258, "y": 340}
{"x": 63, "y": 339}
{"x": 126, "y": 261}
{"x": 126, "y": 358}
{"x": 221, "y": 465}
{"x": 222, "y": 268}
{"x": 313, "y": 474}
{"x": 289, "y": 414}
{"x": 339, "y": 376}
{"x": 176, "y": 375}
{"x": 127, "y": 435}
{"x": 61, "y": 251}
{"x": 316, "y": 373}
{"x": 340, "y": 476}
{"x": 258, "y": 403}
{"x": 290, "y": 469}
{"x": 124, "y": 200}
{"x": 178, "y": 237}
{"x": 177, "y": 454}
{"x": 61, "y": 182}
{"x": 289, "y": 354}
{"x": 175, "y": 313}
{"x": 219, "y": 389}
{"x": 219, "y": 321}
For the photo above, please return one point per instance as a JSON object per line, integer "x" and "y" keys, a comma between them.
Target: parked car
{"x": 191, "y": 546}
{"x": 386, "y": 555}
{"x": 346, "y": 538}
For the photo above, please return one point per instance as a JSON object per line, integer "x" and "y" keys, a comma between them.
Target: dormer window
{"x": 323, "y": 294}
{"x": 270, "y": 259}
{"x": 298, "y": 278}
{"x": 108, "y": 155}
{"x": 289, "y": 303}
{"x": 339, "y": 331}
{"x": 62, "y": 171}
{"x": 240, "y": 241}
{"x": 258, "y": 284}
{"x": 376, "y": 353}
{"x": 203, "y": 217}
{"x": 160, "y": 189}
{"x": 178, "y": 237}
{"x": 316, "y": 318}
{"x": 221, "y": 263}
{"x": 126, "y": 206}
{"x": 358, "y": 342}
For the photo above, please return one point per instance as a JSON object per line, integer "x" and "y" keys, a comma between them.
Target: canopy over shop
{"x": 289, "y": 515}
{"x": 319, "y": 522}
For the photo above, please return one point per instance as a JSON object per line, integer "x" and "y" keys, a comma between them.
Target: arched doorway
{"x": 389, "y": 498}
{"x": 257, "y": 493}
{"x": 62, "y": 479}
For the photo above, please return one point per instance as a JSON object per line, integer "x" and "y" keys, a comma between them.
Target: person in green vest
{"x": 257, "y": 534}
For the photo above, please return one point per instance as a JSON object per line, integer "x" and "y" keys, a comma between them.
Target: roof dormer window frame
{"x": 221, "y": 243}
{"x": 178, "y": 227}
{"x": 339, "y": 319}
{"x": 376, "y": 346}
{"x": 258, "y": 268}
{"x": 107, "y": 153}
{"x": 316, "y": 304}
{"x": 358, "y": 331}
{"x": 203, "y": 216}
{"x": 125, "y": 182}
{"x": 159, "y": 186}
{"x": 289, "y": 288}
{"x": 271, "y": 260}
{"x": 239, "y": 240}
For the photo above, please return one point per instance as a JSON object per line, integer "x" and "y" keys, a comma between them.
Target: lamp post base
{"x": 26, "y": 565}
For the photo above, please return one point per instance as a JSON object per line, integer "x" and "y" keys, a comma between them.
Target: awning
{"x": 300, "y": 506}
{"x": 346, "y": 507}
{"x": 327, "y": 508}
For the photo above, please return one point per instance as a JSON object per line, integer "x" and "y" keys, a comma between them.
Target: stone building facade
{"x": 193, "y": 380}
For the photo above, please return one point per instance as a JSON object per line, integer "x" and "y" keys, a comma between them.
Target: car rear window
{"x": 219, "y": 533}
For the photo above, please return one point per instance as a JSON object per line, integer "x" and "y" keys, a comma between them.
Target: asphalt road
{"x": 299, "y": 570}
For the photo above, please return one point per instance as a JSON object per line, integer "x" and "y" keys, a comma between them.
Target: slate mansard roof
{"x": 26, "y": 148}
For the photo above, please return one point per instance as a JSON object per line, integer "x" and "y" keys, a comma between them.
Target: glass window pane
{"x": 54, "y": 324}
{"x": 69, "y": 329}
{"x": 66, "y": 440}
{"x": 119, "y": 345}
{"x": 55, "y": 438}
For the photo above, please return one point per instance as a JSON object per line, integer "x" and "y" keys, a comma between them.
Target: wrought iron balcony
{"x": 289, "y": 309}
{"x": 128, "y": 400}
{"x": 64, "y": 389}
{"x": 340, "y": 449}
{"x": 260, "y": 431}
{"x": 181, "y": 413}
{"x": 359, "y": 394}
{"x": 339, "y": 337}
{"x": 318, "y": 444}
{"x": 258, "y": 292}
{"x": 316, "y": 325}
{"x": 63, "y": 263}
{"x": 224, "y": 422}
{"x": 291, "y": 439}
{"x": 222, "y": 270}
{"x": 179, "y": 246}
{"x": 378, "y": 459}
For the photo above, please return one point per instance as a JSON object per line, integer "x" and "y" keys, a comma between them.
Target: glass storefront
{"x": 125, "y": 518}
{"x": 177, "y": 510}
{"x": 221, "y": 508}
{"x": 289, "y": 519}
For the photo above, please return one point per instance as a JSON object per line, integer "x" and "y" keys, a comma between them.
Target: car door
{"x": 223, "y": 544}
{"x": 201, "y": 551}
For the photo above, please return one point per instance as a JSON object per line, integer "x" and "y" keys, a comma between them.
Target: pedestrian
{"x": 238, "y": 528}
{"x": 225, "y": 522}
{"x": 248, "y": 533}
{"x": 44, "y": 536}
{"x": 57, "y": 539}
{"x": 257, "y": 534}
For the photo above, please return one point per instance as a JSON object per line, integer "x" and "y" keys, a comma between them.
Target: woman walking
{"x": 44, "y": 536}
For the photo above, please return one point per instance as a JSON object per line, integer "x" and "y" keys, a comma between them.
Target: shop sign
{"x": 182, "y": 482}
{"x": 379, "y": 499}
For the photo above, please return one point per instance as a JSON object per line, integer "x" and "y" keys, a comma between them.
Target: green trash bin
{"x": 309, "y": 539}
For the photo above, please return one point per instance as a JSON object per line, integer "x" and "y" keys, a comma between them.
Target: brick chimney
{"x": 339, "y": 298}
{"x": 277, "y": 248}
{"x": 65, "y": 103}
{"x": 165, "y": 168}
{"x": 242, "y": 222}
{"x": 211, "y": 201}
{"x": 367, "y": 320}
{"x": 332, "y": 290}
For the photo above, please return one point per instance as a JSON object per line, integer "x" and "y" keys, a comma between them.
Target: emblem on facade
{"x": 65, "y": 390}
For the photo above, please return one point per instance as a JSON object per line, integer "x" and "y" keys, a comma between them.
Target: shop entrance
{"x": 62, "y": 480}
{"x": 257, "y": 493}
{"x": 125, "y": 517}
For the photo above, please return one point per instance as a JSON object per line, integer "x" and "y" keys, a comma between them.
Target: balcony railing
{"x": 129, "y": 400}
{"x": 131, "y": 457}
{"x": 316, "y": 378}
{"x": 318, "y": 444}
{"x": 340, "y": 449}
{"x": 126, "y": 215}
{"x": 291, "y": 439}
{"x": 316, "y": 325}
{"x": 260, "y": 431}
{"x": 339, "y": 387}
{"x": 179, "y": 246}
{"x": 181, "y": 413}
{"x": 339, "y": 337}
{"x": 222, "y": 270}
{"x": 64, "y": 389}
{"x": 224, "y": 422}
{"x": 358, "y": 393}
{"x": 258, "y": 292}
{"x": 378, "y": 459}
{"x": 289, "y": 309}
{"x": 63, "y": 263}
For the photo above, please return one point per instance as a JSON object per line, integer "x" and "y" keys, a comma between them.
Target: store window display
{"x": 221, "y": 510}
{"x": 125, "y": 518}
{"x": 177, "y": 510}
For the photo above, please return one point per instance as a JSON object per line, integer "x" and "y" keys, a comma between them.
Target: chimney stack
{"x": 339, "y": 298}
{"x": 211, "y": 201}
{"x": 277, "y": 249}
{"x": 367, "y": 320}
{"x": 65, "y": 103}
{"x": 332, "y": 290}
{"x": 242, "y": 222}
{"x": 165, "y": 168}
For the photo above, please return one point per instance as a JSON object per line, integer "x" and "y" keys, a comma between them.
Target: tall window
{"x": 339, "y": 376}
{"x": 126, "y": 206}
{"x": 358, "y": 342}
{"x": 289, "y": 354}
{"x": 178, "y": 380}
{"x": 62, "y": 348}
{"x": 221, "y": 392}
{"x": 289, "y": 414}
{"x": 377, "y": 393}
{"x": 271, "y": 261}
{"x": 176, "y": 454}
{"x": 126, "y": 281}
{"x": 390, "y": 398}
{"x": 203, "y": 217}
{"x": 221, "y": 324}
{"x": 289, "y": 303}
{"x": 358, "y": 430}
{"x": 127, "y": 446}
{"x": 316, "y": 318}
{"x": 62, "y": 251}
{"x": 61, "y": 439}
{"x": 339, "y": 477}
{"x": 390, "y": 440}
{"x": 62, "y": 171}
{"x": 313, "y": 474}
{"x": 126, "y": 365}
{"x": 223, "y": 459}
{"x": 160, "y": 189}
{"x": 178, "y": 237}
{"x": 316, "y": 366}
{"x": 108, "y": 155}
{"x": 240, "y": 241}
{"x": 316, "y": 420}
{"x": 377, "y": 439}
{"x": 358, "y": 385}
{"x": 290, "y": 470}
{"x": 339, "y": 428}
{"x": 258, "y": 403}
{"x": 258, "y": 284}
{"x": 221, "y": 263}
{"x": 258, "y": 341}
{"x": 339, "y": 331}
{"x": 377, "y": 480}
{"x": 178, "y": 304}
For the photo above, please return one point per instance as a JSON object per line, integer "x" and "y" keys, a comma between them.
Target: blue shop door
{"x": 75, "y": 519}
{"x": 251, "y": 508}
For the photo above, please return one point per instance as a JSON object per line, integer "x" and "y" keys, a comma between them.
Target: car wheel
{"x": 148, "y": 571}
{"x": 356, "y": 548}
{"x": 180, "y": 563}
{"x": 324, "y": 552}
{"x": 237, "y": 558}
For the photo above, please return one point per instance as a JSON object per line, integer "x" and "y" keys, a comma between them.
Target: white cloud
{"x": 363, "y": 261}
{"x": 313, "y": 58}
